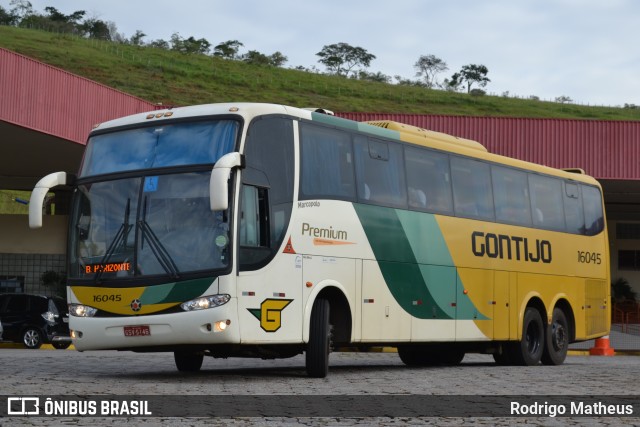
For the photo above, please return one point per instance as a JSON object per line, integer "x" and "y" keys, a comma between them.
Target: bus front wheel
{"x": 319, "y": 345}
{"x": 188, "y": 361}
{"x": 556, "y": 339}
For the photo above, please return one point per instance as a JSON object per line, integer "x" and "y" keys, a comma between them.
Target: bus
{"x": 260, "y": 230}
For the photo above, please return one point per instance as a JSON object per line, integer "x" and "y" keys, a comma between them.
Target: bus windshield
{"x": 162, "y": 145}
{"x": 146, "y": 226}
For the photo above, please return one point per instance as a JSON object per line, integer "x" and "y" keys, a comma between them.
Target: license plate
{"x": 137, "y": 331}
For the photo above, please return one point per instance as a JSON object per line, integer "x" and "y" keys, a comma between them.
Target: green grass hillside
{"x": 172, "y": 78}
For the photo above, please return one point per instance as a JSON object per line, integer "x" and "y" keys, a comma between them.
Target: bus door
{"x": 269, "y": 282}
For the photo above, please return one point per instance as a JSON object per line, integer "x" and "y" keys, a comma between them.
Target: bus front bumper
{"x": 212, "y": 326}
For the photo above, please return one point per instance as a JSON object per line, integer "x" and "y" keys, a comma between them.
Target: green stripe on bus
{"x": 355, "y": 126}
{"x": 416, "y": 263}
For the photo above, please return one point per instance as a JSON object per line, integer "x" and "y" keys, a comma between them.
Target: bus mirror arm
{"x": 219, "y": 183}
{"x": 40, "y": 191}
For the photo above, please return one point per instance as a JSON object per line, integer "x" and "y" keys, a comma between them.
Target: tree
{"x": 277, "y": 59}
{"x": 454, "y": 83}
{"x": 256, "y": 58}
{"x": 401, "y": 81}
{"x": 95, "y": 29}
{"x": 160, "y": 44}
{"x": 341, "y": 58}
{"x": 428, "y": 66}
{"x": 21, "y": 9}
{"x": 374, "y": 77}
{"x": 563, "y": 99}
{"x": 114, "y": 34}
{"x": 471, "y": 74}
{"x": 57, "y": 16}
{"x": 61, "y": 22}
{"x": 136, "y": 39}
{"x": 228, "y": 49}
{"x": 190, "y": 45}
{"x": 7, "y": 18}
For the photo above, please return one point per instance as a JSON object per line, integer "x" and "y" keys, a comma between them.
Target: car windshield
{"x": 145, "y": 226}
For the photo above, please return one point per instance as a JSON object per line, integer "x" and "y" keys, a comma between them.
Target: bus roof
{"x": 425, "y": 135}
{"x": 381, "y": 128}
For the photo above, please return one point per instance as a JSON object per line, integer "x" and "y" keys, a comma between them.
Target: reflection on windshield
{"x": 157, "y": 225}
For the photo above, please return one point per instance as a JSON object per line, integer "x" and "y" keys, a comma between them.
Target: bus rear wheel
{"x": 528, "y": 351}
{"x": 319, "y": 346}
{"x": 188, "y": 361}
{"x": 556, "y": 339}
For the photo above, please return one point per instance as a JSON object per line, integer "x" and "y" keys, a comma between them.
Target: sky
{"x": 587, "y": 50}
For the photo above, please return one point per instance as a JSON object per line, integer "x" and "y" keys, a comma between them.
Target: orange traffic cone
{"x": 602, "y": 347}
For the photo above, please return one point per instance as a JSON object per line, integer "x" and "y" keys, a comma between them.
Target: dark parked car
{"x": 35, "y": 320}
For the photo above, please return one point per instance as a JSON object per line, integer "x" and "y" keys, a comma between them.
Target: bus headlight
{"x": 202, "y": 303}
{"x": 81, "y": 310}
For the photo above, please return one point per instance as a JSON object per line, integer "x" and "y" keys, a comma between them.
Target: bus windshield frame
{"x": 141, "y": 207}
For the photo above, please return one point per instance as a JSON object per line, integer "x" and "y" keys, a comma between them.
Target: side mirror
{"x": 38, "y": 194}
{"x": 219, "y": 183}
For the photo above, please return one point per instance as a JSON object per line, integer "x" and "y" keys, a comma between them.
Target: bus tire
{"x": 452, "y": 356}
{"x": 416, "y": 355}
{"x": 409, "y": 355}
{"x": 528, "y": 351}
{"x": 501, "y": 356}
{"x": 556, "y": 339}
{"x": 319, "y": 345}
{"x": 188, "y": 361}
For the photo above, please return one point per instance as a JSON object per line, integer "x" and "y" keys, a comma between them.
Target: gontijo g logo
{"x": 270, "y": 313}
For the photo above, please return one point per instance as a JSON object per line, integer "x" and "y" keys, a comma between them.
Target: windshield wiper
{"x": 158, "y": 249}
{"x": 121, "y": 236}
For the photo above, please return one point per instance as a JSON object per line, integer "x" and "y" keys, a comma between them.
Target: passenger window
{"x": 511, "y": 194}
{"x": 593, "y": 215}
{"x": 380, "y": 172}
{"x": 546, "y": 202}
{"x": 573, "y": 209}
{"x": 326, "y": 163}
{"x": 428, "y": 180}
{"x": 472, "y": 195}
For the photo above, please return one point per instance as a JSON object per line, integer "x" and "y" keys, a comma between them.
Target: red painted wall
{"x": 44, "y": 98}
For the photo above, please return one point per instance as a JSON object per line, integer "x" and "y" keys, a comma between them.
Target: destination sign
{"x": 111, "y": 267}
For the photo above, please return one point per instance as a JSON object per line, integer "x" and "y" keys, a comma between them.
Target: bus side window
{"x": 254, "y": 226}
{"x": 511, "y": 194}
{"x": 428, "y": 180}
{"x": 573, "y": 208}
{"x": 380, "y": 172}
{"x": 546, "y": 202}
{"x": 326, "y": 163}
{"x": 472, "y": 194}
{"x": 593, "y": 215}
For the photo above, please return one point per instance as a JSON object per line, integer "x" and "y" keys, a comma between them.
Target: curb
{"x": 10, "y": 345}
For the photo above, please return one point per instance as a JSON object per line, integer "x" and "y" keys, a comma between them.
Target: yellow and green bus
{"x": 259, "y": 230}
